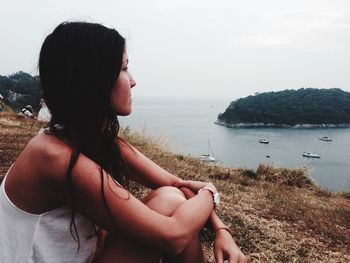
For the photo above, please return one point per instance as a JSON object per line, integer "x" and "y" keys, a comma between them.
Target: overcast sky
{"x": 199, "y": 48}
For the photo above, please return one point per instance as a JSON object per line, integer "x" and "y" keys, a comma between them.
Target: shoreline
{"x": 274, "y": 125}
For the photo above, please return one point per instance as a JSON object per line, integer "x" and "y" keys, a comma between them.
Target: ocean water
{"x": 188, "y": 124}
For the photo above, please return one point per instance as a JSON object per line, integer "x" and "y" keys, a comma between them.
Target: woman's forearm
{"x": 144, "y": 170}
{"x": 214, "y": 221}
{"x": 189, "y": 218}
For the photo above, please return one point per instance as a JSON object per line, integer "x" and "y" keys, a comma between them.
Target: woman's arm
{"x": 146, "y": 172}
{"x": 143, "y": 170}
{"x": 225, "y": 247}
{"x": 150, "y": 174}
{"x": 133, "y": 219}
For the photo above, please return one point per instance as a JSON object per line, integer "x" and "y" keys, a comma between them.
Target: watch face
{"x": 216, "y": 198}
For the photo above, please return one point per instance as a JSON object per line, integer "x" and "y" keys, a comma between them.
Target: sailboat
{"x": 265, "y": 140}
{"x": 209, "y": 157}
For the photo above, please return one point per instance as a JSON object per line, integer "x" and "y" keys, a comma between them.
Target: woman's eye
{"x": 125, "y": 69}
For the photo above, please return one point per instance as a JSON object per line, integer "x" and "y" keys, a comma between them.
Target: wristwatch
{"x": 216, "y": 196}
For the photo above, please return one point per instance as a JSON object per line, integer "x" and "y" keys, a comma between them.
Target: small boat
{"x": 326, "y": 138}
{"x": 265, "y": 141}
{"x": 311, "y": 155}
{"x": 209, "y": 157}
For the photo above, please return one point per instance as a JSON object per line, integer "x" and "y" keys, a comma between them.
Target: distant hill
{"x": 290, "y": 107}
{"x": 21, "y": 89}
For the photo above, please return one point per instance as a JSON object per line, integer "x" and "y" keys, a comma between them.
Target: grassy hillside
{"x": 277, "y": 214}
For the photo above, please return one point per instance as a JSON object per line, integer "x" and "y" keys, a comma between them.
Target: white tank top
{"x": 26, "y": 237}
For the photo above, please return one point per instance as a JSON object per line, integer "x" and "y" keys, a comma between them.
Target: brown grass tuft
{"x": 290, "y": 177}
{"x": 345, "y": 195}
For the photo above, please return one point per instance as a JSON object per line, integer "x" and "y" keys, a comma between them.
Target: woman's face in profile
{"x": 121, "y": 101}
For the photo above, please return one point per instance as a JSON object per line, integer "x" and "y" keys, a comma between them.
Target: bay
{"x": 187, "y": 124}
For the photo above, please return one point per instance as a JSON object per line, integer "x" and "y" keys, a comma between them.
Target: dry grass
{"x": 277, "y": 214}
{"x": 283, "y": 176}
{"x": 15, "y": 132}
{"x": 345, "y": 195}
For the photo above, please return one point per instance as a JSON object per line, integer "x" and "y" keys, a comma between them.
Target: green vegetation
{"x": 21, "y": 89}
{"x": 291, "y": 107}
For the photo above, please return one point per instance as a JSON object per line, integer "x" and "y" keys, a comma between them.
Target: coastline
{"x": 274, "y": 125}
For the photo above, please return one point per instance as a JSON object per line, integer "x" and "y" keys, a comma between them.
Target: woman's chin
{"x": 125, "y": 112}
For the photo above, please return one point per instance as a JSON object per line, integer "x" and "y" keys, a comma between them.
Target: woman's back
{"x": 42, "y": 166}
{"x": 43, "y": 236}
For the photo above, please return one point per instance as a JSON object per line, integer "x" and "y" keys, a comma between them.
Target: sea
{"x": 187, "y": 127}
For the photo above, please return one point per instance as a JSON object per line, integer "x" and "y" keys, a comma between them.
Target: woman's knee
{"x": 165, "y": 200}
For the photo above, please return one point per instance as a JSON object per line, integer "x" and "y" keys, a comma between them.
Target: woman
{"x": 68, "y": 183}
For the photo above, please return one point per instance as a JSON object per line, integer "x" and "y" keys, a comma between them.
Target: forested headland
{"x": 319, "y": 107}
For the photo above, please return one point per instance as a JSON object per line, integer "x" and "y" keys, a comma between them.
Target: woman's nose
{"x": 132, "y": 81}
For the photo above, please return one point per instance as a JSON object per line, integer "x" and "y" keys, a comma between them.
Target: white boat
{"x": 326, "y": 138}
{"x": 311, "y": 155}
{"x": 209, "y": 157}
{"x": 265, "y": 141}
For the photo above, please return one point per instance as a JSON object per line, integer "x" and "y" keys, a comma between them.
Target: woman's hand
{"x": 195, "y": 186}
{"x": 225, "y": 248}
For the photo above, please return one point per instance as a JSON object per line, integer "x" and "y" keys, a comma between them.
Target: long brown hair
{"x": 79, "y": 64}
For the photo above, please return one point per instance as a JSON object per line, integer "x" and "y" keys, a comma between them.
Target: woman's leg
{"x": 159, "y": 201}
{"x": 165, "y": 200}
{"x": 192, "y": 254}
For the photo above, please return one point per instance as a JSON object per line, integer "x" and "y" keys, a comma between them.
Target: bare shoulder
{"x": 52, "y": 156}
{"x": 42, "y": 165}
{"x": 46, "y": 156}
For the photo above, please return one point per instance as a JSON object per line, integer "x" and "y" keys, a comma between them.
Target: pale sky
{"x": 199, "y": 48}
